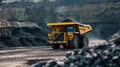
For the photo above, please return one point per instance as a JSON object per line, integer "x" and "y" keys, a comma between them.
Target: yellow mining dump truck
{"x": 68, "y": 33}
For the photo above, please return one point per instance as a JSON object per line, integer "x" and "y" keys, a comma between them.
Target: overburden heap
{"x": 106, "y": 55}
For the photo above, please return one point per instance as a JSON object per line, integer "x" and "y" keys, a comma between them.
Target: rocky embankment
{"x": 14, "y": 34}
{"x": 105, "y": 55}
{"x": 96, "y": 11}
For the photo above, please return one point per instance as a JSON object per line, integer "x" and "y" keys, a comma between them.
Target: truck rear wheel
{"x": 83, "y": 41}
{"x": 86, "y": 41}
{"x": 74, "y": 42}
{"x": 55, "y": 46}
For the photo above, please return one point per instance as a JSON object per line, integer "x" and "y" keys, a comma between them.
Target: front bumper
{"x": 58, "y": 42}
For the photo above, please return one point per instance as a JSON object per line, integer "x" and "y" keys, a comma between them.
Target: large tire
{"x": 66, "y": 46}
{"x": 74, "y": 43}
{"x": 86, "y": 42}
{"x": 83, "y": 41}
{"x": 55, "y": 46}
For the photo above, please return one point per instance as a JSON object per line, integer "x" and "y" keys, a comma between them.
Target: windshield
{"x": 70, "y": 29}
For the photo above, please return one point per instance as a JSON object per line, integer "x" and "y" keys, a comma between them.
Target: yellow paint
{"x": 70, "y": 35}
{"x": 84, "y": 29}
{"x": 61, "y": 23}
{"x": 62, "y": 42}
{"x": 59, "y": 27}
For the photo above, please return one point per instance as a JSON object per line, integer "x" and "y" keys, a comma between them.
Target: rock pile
{"x": 115, "y": 38}
{"x": 107, "y": 55}
{"x": 17, "y": 34}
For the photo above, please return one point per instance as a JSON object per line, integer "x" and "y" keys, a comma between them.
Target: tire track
{"x": 26, "y": 54}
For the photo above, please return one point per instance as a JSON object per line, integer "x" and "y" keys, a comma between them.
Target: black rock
{"x": 69, "y": 53}
{"x": 39, "y": 64}
{"x": 76, "y": 51}
{"x": 117, "y": 41}
{"x": 100, "y": 56}
{"x": 52, "y": 62}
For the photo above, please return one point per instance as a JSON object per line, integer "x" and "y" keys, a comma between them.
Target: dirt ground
{"x": 26, "y": 56}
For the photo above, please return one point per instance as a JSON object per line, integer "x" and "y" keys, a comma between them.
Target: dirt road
{"x": 26, "y": 56}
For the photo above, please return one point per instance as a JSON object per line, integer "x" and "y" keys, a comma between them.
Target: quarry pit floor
{"x": 26, "y": 56}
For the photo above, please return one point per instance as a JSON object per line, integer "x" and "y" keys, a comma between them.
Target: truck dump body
{"x": 61, "y": 23}
{"x": 83, "y": 28}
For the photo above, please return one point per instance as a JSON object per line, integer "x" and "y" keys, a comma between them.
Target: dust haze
{"x": 24, "y": 35}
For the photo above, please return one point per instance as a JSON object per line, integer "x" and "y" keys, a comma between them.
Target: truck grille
{"x": 58, "y": 37}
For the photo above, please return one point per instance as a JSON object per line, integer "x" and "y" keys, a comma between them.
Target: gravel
{"x": 105, "y": 55}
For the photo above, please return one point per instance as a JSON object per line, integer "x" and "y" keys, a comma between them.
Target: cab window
{"x": 70, "y": 29}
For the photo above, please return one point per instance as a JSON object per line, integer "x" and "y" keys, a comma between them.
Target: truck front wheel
{"x": 56, "y": 46}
